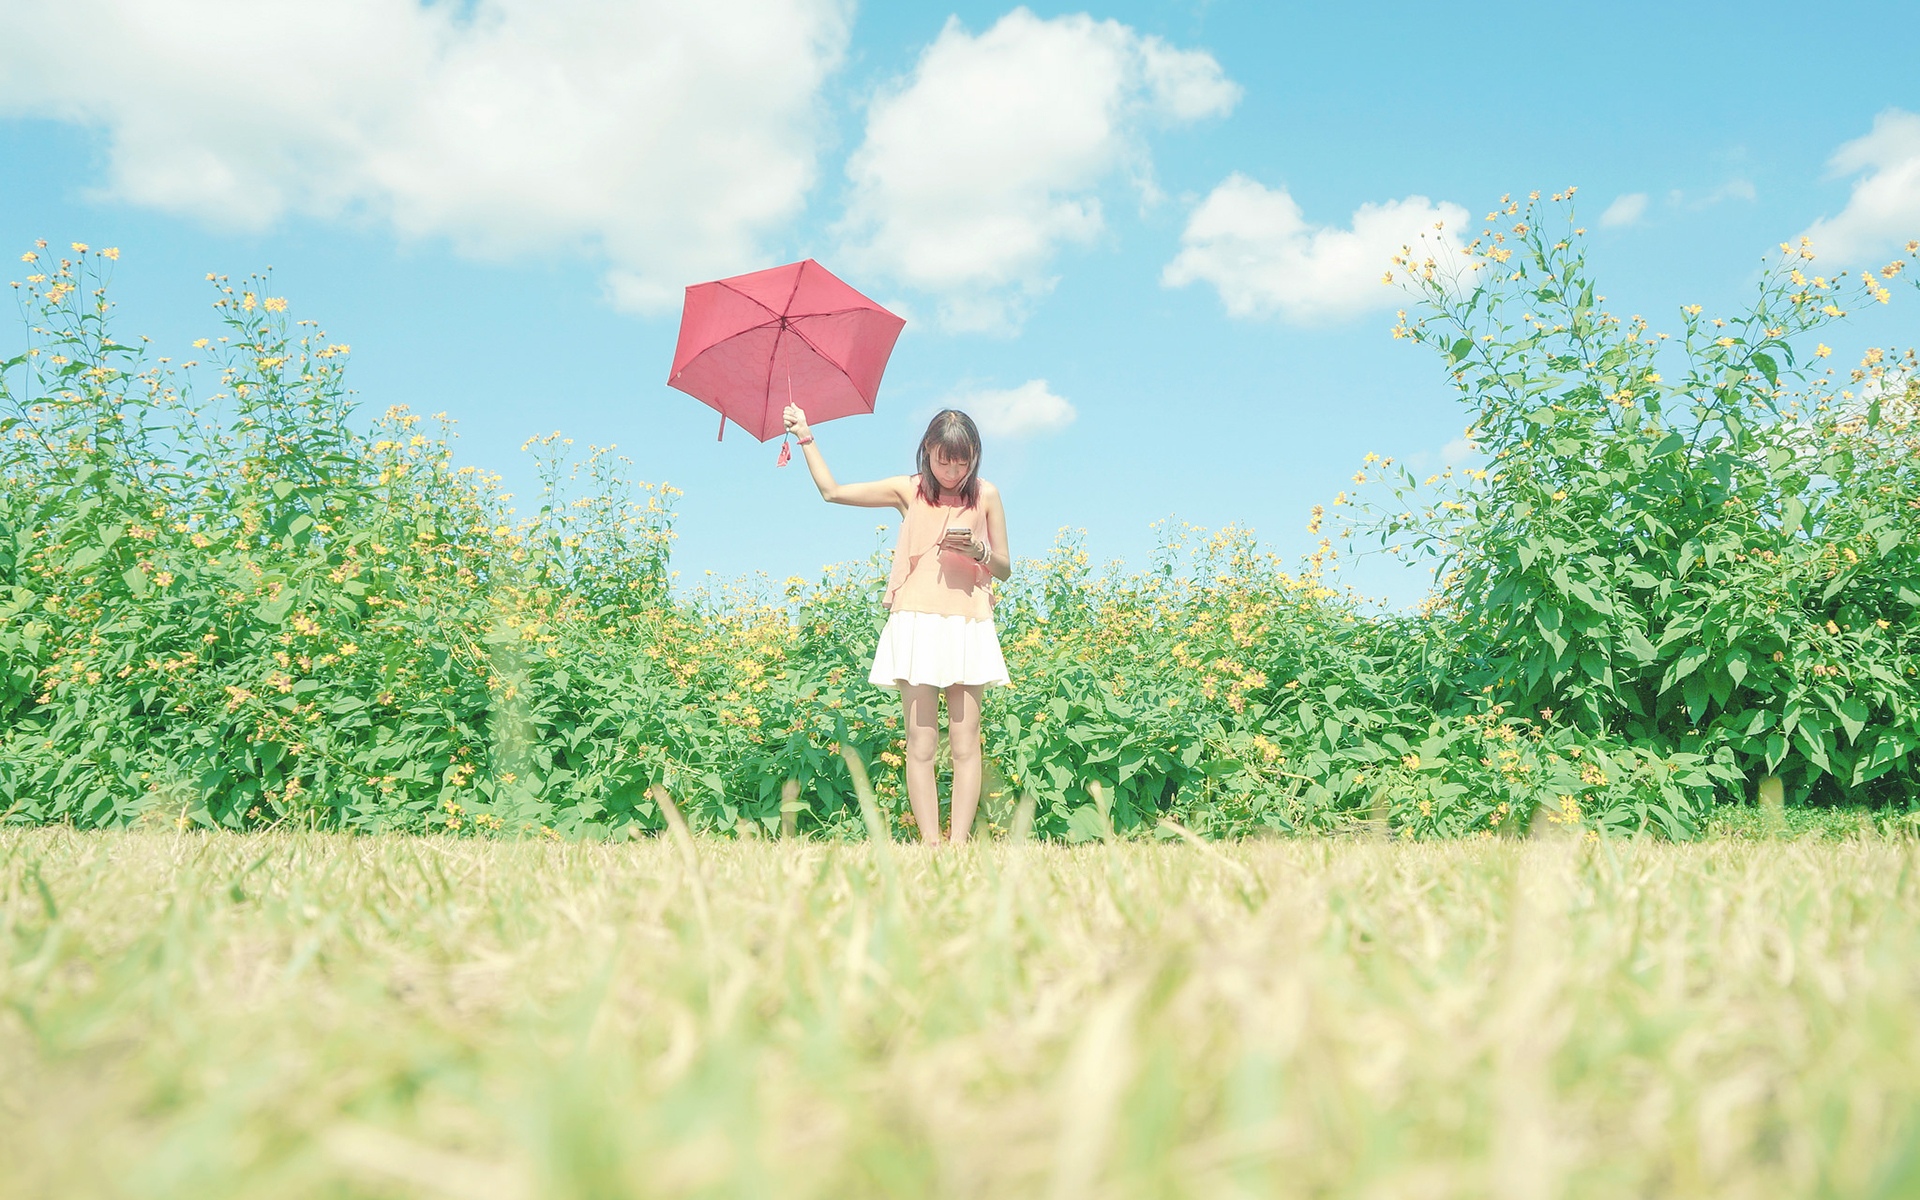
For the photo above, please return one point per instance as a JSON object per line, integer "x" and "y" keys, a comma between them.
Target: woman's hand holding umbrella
{"x": 796, "y": 422}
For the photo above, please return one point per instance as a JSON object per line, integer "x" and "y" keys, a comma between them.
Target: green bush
{"x": 1702, "y": 544}
{"x": 225, "y": 603}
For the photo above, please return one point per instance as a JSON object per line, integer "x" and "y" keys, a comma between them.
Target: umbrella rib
{"x": 750, "y": 299}
{"x": 773, "y": 356}
{"x": 796, "y": 287}
{"x": 834, "y": 312}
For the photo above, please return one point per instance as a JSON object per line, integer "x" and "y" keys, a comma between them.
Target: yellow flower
{"x": 79, "y": 247}
{"x": 29, "y": 256}
{"x": 275, "y": 304}
{"x": 163, "y": 578}
{"x": 1692, "y": 310}
{"x": 1560, "y": 495}
{"x": 1725, "y": 341}
{"x": 112, "y": 252}
{"x": 1822, "y": 350}
{"x": 1832, "y": 310}
{"x": 200, "y": 344}
{"x": 349, "y": 649}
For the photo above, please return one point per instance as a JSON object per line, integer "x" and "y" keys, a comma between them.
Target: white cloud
{"x": 665, "y": 137}
{"x": 991, "y": 155}
{"x": 1884, "y": 209}
{"x": 1625, "y": 210}
{"x": 1024, "y": 411}
{"x": 1732, "y": 189}
{"x": 1257, "y": 249}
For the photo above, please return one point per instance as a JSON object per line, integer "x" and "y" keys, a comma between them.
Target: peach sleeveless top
{"x": 927, "y": 579}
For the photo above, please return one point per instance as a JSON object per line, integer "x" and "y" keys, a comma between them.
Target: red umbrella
{"x": 750, "y": 344}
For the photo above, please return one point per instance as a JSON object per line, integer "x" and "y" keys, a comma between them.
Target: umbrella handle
{"x": 723, "y": 428}
{"x": 786, "y": 451}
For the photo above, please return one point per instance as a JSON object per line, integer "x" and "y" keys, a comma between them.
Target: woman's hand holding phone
{"x": 959, "y": 540}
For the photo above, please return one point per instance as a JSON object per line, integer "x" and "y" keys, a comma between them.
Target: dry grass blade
{"x": 689, "y": 858}
{"x": 879, "y": 838}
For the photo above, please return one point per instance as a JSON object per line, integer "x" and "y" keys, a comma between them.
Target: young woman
{"x": 940, "y": 636}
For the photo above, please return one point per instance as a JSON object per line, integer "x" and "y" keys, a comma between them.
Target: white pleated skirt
{"x": 944, "y": 651}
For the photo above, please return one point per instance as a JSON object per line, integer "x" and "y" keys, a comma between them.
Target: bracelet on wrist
{"x": 807, "y": 440}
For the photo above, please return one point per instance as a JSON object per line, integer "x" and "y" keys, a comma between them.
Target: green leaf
{"x": 1791, "y": 514}
{"x": 1737, "y": 666}
{"x": 1695, "y": 692}
{"x": 1639, "y": 647}
{"x": 1548, "y": 620}
{"x": 136, "y": 580}
{"x": 1813, "y": 744}
{"x": 1767, "y": 367}
{"x": 1853, "y": 714}
{"x": 1087, "y": 824}
{"x": 1686, "y": 664}
{"x": 1594, "y": 664}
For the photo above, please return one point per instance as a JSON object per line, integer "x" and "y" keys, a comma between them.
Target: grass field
{"x": 293, "y": 1016}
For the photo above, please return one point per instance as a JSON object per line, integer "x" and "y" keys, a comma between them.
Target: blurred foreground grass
{"x": 292, "y": 1016}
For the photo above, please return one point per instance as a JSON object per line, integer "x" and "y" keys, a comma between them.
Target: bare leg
{"x": 920, "y": 704}
{"x": 963, "y": 741}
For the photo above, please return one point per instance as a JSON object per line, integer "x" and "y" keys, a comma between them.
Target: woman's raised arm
{"x": 893, "y": 492}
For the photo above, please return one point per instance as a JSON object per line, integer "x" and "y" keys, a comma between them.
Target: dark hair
{"x": 953, "y": 431}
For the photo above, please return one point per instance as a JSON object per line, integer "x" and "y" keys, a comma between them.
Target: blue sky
{"x": 1143, "y": 240}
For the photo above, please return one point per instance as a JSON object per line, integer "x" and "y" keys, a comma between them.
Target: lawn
{"x": 291, "y": 1015}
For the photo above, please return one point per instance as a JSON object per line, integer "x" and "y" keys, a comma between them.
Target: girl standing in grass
{"x": 940, "y": 636}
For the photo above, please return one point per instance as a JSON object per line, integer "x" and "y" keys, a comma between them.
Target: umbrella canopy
{"x": 749, "y": 343}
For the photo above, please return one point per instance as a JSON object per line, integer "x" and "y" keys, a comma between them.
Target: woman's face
{"x": 950, "y": 472}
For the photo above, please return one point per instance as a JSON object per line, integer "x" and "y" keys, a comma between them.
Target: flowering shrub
{"x": 224, "y": 604}
{"x": 1701, "y": 544}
